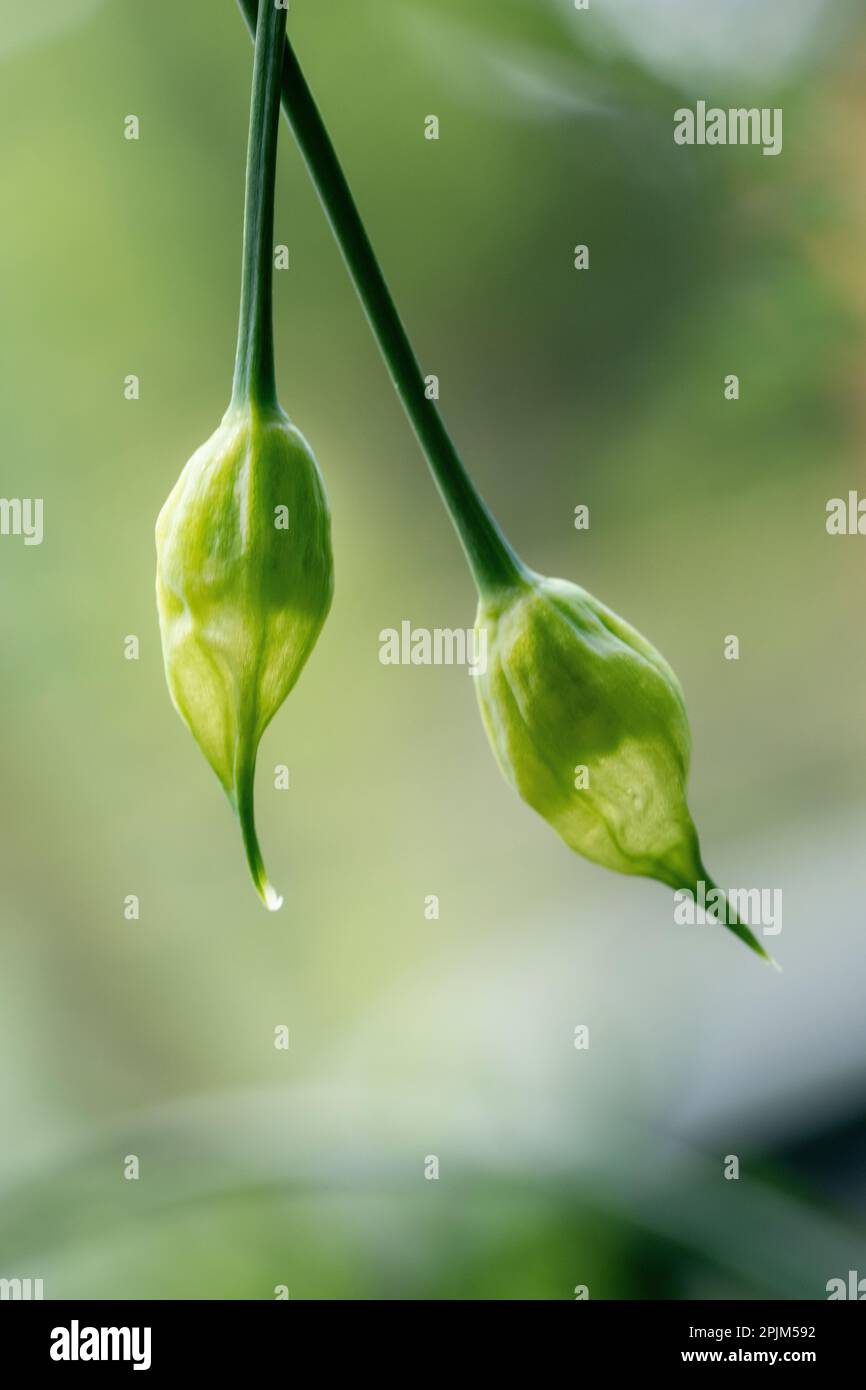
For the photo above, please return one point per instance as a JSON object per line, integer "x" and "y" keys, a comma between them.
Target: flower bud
{"x": 244, "y": 584}
{"x": 588, "y": 724}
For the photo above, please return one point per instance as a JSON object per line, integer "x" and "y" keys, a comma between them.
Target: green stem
{"x": 254, "y": 379}
{"x": 493, "y": 563}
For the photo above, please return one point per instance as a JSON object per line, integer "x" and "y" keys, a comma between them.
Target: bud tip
{"x": 273, "y": 900}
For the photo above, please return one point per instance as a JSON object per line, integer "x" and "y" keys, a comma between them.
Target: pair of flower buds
{"x": 568, "y": 684}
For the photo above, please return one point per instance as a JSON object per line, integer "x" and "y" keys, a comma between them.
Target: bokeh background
{"x": 454, "y": 1037}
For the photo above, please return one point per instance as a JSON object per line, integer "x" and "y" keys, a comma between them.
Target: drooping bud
{"x": 244, "y": 568}
{"x": 244, "y": 584}
{"x": 588, "y": 724}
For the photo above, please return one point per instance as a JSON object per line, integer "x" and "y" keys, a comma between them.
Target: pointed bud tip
{"x": 272, "y": 899}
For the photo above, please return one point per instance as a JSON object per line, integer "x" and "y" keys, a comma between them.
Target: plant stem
{"x": 493, "y": 563}
{"x": 254, "y": 379}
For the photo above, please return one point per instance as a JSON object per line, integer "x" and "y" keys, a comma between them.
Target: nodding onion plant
{"x": 586, "y": 719}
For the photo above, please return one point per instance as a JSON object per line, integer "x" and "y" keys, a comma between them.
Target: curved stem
{"x": 254, "y": 379}
{"x": 493, "y": 563}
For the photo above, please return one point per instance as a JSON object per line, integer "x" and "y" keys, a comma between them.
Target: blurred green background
{"x": 454, "y": 1037}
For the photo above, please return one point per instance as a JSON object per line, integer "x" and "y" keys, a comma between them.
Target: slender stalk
{"x": 254, "y": 379}
{"x": 493, "y": 563}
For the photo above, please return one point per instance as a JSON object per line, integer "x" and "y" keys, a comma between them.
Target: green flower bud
{"x": 588, "y": 724}
{"x": 244, "y": 570}
{"x": 244, "y": 584}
